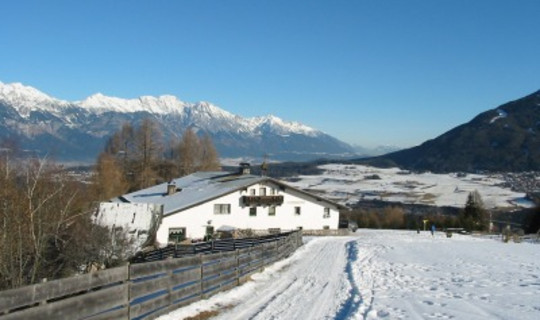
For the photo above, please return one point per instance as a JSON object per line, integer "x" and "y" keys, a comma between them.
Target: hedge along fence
{"x": 145, "y": 290}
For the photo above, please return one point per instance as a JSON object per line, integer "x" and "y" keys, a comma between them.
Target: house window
{"x": 297, "y": 211}
{"x": 253, "y": 211}
{"x": 262, "y": 191}
{"x": 221, "y": 208}
{"x": 177, "y": 235}
{"x": 272, "y": 191}
{"x": 326, "y": 214}
{"x": 272, "y": 210}
{"x": 326, "y": 227}
{"x": 251, "y": 192}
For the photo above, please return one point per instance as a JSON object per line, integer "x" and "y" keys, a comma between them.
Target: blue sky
{"x": 367, "y": 72}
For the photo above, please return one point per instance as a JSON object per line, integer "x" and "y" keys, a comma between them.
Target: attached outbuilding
{"x": 203, "y": 203}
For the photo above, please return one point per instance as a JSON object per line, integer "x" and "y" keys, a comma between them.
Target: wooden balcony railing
{"x": 262, "y": 200}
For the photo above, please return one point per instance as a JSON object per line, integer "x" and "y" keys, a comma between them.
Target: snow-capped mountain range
{"x": 77, "y": 130}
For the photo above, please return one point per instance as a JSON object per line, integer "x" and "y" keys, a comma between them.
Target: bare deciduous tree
{"x": 209, "y": 160}
{"x": 109, "y": 179}
{"x": 140, "y": 154}
{"x": 188, "y": 152}
{"x": 41, "y": 205}
{"x": 148, "y": 151}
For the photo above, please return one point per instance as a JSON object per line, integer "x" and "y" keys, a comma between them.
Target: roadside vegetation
{"x": 395, "y": 218}
{"x": 473, "y": 217}
{"x": 139, "y": 157}
{"x": 46, "y": 229}
{"x": 45, "y": 226}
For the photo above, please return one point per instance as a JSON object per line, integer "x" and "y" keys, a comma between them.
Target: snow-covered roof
{"x": 201, "y": 187}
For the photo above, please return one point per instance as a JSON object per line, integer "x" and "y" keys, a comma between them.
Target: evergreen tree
{"x": 532, "y": 220}
{"x": 474, "y": 215}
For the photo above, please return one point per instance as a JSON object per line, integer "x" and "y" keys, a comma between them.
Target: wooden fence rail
{"x": 206, "y": 247}
{"x": 143, "y": 290}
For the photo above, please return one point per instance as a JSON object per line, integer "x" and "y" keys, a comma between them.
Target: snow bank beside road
{"x": 389, "y": 275}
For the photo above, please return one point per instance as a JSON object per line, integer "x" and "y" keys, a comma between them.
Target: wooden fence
{"x": 180, "y": 250}
{"x": 329, "y": 232}
{"x": 143, "y": 290}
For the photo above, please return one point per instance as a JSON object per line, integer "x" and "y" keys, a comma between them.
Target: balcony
{"x": 262, "y": 200}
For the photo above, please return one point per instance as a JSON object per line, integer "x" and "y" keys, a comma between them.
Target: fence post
{"x": 169, "y": 286}
{"x": 201, "y": 267}
{"x": 44, "y": 302}
{"x": 276, "y": 252}
{"x": 237, "y": 256}
{"x": 128, "y": 293}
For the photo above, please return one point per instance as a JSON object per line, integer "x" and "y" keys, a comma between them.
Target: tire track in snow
{"x": 270, "y": 300}
{"x": 353, "y": 302}
{"x": 362, "y": 275}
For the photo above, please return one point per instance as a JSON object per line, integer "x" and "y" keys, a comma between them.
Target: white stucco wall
{"x": 196, "y": 219}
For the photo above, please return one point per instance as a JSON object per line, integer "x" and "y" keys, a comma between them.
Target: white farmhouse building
{"x": 204, "y": 202}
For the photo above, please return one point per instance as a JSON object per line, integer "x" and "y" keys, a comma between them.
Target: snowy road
{"x": 389, "y": 275}
{"x": 310, "y": 281}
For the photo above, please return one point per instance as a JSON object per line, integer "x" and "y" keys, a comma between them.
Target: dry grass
{"x": 204, "y": 315}
{"x": 428, "y": 198}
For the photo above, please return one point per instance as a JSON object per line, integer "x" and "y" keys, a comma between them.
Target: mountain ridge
{"x": 505, "y": 138}
{"x": 31, "y": 99}
{"x": 35, "y": 118}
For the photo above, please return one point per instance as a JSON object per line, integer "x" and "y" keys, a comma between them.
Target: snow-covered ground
{"x": 348, "y": 184}
{"x": 389, "y": 275}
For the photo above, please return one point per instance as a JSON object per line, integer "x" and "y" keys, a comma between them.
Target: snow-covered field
{"x": 389, "y": 275}
{"x": 348, "y": 184}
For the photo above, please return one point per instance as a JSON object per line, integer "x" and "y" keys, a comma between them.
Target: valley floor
{"x": 389, "y": 275}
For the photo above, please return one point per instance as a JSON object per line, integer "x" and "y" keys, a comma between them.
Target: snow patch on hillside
{"x": 501, "y": 114}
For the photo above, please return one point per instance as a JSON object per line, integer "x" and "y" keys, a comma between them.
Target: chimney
{"x": 171, "y": 189}
{"x": 245, "y": 168}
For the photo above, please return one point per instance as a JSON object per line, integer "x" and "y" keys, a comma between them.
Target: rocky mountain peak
{"x": 79, "y": 129}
